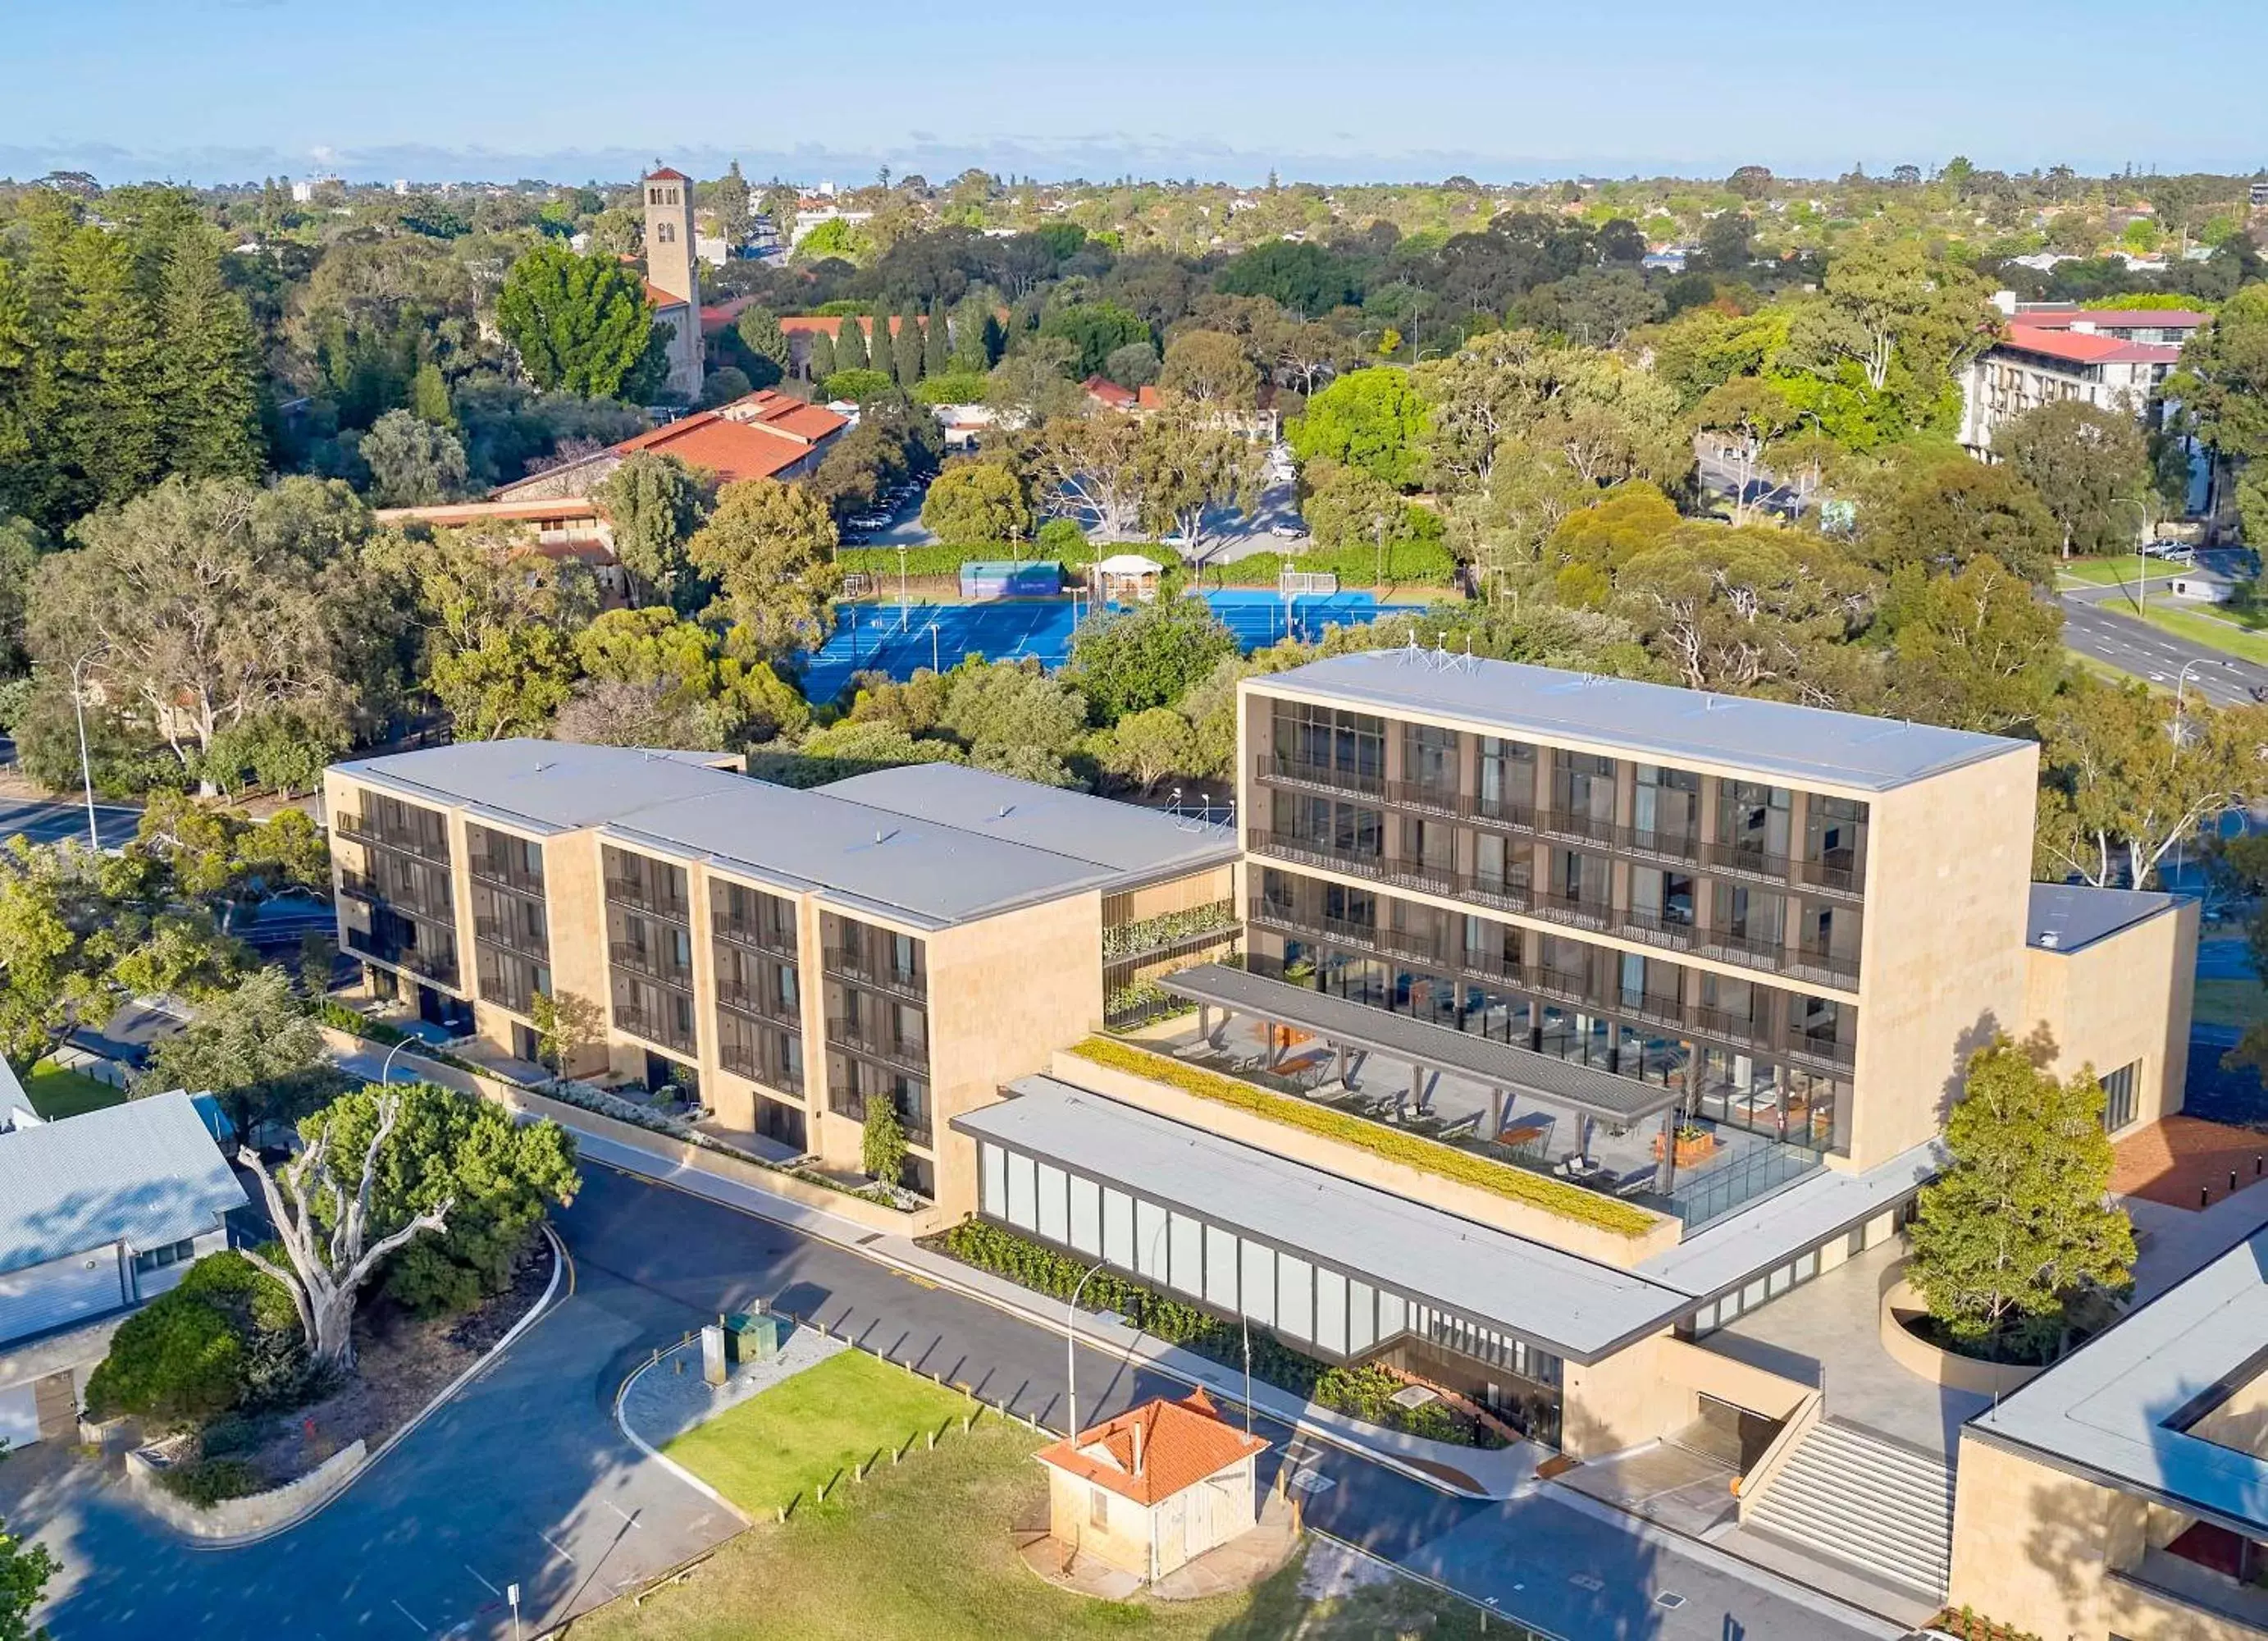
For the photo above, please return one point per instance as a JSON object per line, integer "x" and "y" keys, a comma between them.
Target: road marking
{"x": 483, "y": 1583}
{"x": 918, "y": 1282}
{"x": 555, "y": 1550}
{"x": 619, "y": 1511}
{"x": 412, "y": 1617}
{"x": 1314, "y": 1481}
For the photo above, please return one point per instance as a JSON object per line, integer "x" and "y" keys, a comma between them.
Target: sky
{"x": 205, "y": 91}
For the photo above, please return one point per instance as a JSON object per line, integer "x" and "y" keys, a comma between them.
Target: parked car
{"x": 1288, "y": 532}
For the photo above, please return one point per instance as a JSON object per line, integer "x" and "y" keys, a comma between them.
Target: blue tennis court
{"x": 872, "y": 638}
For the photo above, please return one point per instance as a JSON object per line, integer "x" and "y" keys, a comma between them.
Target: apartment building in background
{"x": 784, "y": 957}
{"x": 2117, "y": 359}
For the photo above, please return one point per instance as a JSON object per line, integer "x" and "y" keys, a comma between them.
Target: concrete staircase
{"x": 1871, "y": 1503}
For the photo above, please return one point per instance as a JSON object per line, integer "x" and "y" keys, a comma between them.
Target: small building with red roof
{"x": 1155, "y": 1488}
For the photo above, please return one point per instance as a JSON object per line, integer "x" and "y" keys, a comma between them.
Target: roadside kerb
{"x": 560, "y": 1264}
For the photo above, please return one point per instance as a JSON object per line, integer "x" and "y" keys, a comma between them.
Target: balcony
{"x": 502, "y": 873}
{"x": 400, "y": 839}
{"x": 636, "y": 959}
{"x": 438, "y": 967}
{"x": 1657, "y": 928}
{"x": 758, "y": 1068}
{"x": 1170, "y": 933}
{"x": 1820, "y": 1051}
{"x": 760, "y": 1002}
{"x": 850, "y": 963}
{"x": 638, "y": 1023}
{"x": 508, "y": 933}
{"x": 640, "y": 896}
{"x": 1840, "y": 872}
{"x": 755, "y": 934}
{"x": 879, "y": 1046}
{"x": 365, "y": 887}
{"x": 1283, "y": 769}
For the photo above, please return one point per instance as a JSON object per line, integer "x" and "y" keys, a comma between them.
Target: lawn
{"x": 57, "y": 1093}
{"x": 921, "y": 1548}
{"x": 780, "y": 1446}
{"x": 2104, "y": 571}
{"x": 2235, "y": 1002}
{"x": 2199, "y": 625}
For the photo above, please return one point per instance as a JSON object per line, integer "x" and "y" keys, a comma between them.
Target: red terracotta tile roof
{"x": 660, "y": 298}
{"x": 2111, "y": 318}
{"x": 451, "y": 513}
{"x": 730, "y": 450}
{"x": 784, "y": 413}
{"x": 832, "y": 323}
{"x": 2081, "y": 348}
{"x": 668, "y": 175}
{"x": 1109, "y": 392}
{"x": 1181, "y": 1443}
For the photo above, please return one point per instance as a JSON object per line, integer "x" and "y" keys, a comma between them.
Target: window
{"x": 171, "y": 1253}
{"x": 2118, "y": 1098}
{"x": 1098, "y": 1508}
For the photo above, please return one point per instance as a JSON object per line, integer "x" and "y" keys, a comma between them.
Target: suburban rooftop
{"x": 1810, "y": 744}
{"x": 146, "y": 1172}
{"x": 2065, "y": 917}
{"x": 930, "y": 844}
{"x": 2119, "y": 1409}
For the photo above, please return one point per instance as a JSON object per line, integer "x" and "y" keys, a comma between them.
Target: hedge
{"x": 940, "y": 559}
{"x": 1408, "y": 564}
{"x": 1516, "y": 1184}
{"x": 1362, "y": 1393}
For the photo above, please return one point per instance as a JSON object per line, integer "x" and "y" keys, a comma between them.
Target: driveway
{"x": 524, "y": 1478}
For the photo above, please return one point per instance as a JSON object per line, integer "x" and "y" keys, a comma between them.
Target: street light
{"x": 85, "y": 772}
{"x": 385, "y": 1066}
{"x": 902, "y": 586}
{"x": 1071, "y": 1350}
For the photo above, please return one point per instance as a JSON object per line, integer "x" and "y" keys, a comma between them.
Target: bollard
{"x": 783, "y": 1515}
{"x": 2232, "y": 1179}
{"x": 2205, "y": 1197}
{"x": 932, "y": 1440}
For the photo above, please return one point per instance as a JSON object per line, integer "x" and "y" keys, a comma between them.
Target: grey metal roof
{"x": 1485, "y": 1060}
{"x": 1570, "y": 1306}
{"x": 1803, "y": 743}
{"x": 908, "y": 858}
{"x": 1802, "y": 1214}
{"x": 2064, "y": 917}
{"x": 2118, "y": 1408}
{"x": 145, "y": 1172}
{"x": 1124, "y": 836}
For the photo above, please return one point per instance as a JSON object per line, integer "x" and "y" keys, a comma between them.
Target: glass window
{"x": 1295, "y": 1296}
{"x": 1220, "y": 1267}
{"x": 2118, "y": 1098}
{"x": 1362, "y": 1316}
{"x": 1260, "y": 1283}
{"x": 1331, "y": 1311}
{"x": 1098, "y": 1507}
{"x": 1185, "y": 1255}
{"x": 1150, "y": 1240}
{"x": 1392, "y": 1313}
{"x": 1118, "y": 1228}
{"x": 1022, "y": 1212}
{"x": 1086, "y": 1216}
{"x": 1053, "y": 1207}
{"x": 995, "y": 1187}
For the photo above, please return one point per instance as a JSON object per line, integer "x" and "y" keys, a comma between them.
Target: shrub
{"x": 205, "y": 1482}
{"x": 1553, "y": 1196}
{"x": 177, "y": 1361}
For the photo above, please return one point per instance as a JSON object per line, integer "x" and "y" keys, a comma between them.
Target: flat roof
{"x": 1572, "y": 1306}
{"x": 1728, "y": 1252}
{"x": 2069, "y": 917}
{"x": 1804, "y": 743}
{"x": 145, "y": 1172}
{"x": 1485, "y": 1060}
{"x": 2115, "y": 1408}
{"x": 907, "y": 858}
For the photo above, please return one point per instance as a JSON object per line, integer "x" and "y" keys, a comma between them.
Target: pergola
{"x": 1347, "y": 1027}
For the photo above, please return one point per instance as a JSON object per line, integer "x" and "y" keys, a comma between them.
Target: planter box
{"x": 1690, "y": 1151}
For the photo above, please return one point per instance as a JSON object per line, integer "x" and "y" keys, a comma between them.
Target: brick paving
{"x": 2187, "y": 1163}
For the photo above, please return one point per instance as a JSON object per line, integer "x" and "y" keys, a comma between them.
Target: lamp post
{"x": 902, "y": 586}
{"x": 1071, "y": 1352}
{"x": 85, "y": 772}
{"x": 385, "y": 1066}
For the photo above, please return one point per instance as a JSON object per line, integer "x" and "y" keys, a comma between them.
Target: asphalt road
{"x": 50, "y": 822}
{"x": 2134, "y": 646}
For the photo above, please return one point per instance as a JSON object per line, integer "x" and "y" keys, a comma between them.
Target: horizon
{"x": 235, "y": 91}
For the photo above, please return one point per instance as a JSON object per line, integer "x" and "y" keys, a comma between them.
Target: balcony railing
{"x": 1840, "y": 872}
{"x": 853, "y": 964}
{"x": 762, "y": 1002}
{"x": 884, "y": 1047}
{"x": 623, "y": 954}
{"x": 1283, "y": 769}
{"x": 401, "y": 839}
{"x": 755, "y": 934}
{"x": 1657, "y": 928}
{"x": 504, "y": 873}
{"x": 1823, "y": 1050}
{"x": 508, "y": 933}
{"x": 641, "y": 896}
{"x": 365, "y": 886}
{"x": 1752, "y": 951}
{"x": 758, "y": 1068}
{"x": 441, "y": 969}
{"x": 654, "y": 1028}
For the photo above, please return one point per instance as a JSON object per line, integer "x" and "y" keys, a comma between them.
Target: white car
{"x": 1288, "y": 532}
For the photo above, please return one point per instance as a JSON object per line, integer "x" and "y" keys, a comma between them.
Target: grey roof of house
{"x": 928, "y": 856}
{"x": 145, "y": 1172}
{"x": 1801, "y": 1214}
{"x": 1570, "y": 1306}
{"x": 2064, "y": 917}
{"x": 1483, "y": 1060}
{"x": 2118, "y": 1408}
{"x": 1663, "y": 721}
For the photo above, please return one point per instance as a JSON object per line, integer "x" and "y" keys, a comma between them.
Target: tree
{"x": 1133, "y": 366}
{"x": 1188, "y": 472}
{"x": 581, "y": 324}
{"x": 567, "y": 1026}
{"x": 906, "y": 351}
{"x": 1145, "y": 747}
{"x": 209, "y": 384}
{"x": 1754, "y": 609}
{"x": 654, "y": 504}
{"x": 760, "y": 333}
{"x": 21, "y": 543}
{"x": 850, "y": 343}
{"x": 1888, "y": 302}
{"x": 2222, "y": 384}
{"x": 1371, "y": 419}
{"x": 413, "y": 462}
{"x": 674, "y": 683}
{"x": 993, "y": 708}
{"x": 2123, "y": 776}
{"x": 1751, "y": 182}
{"x": 449, "y": 1188}
{"x": 1303, "y": 278}
{"x": 242, "y": 1046}
{"x": 1976, "y": 648}
{"x": 1348, "y": 507}
{"x": 971, "y": 502}
{"x": 859, "y": 386}
{"x": 206, "y": 604}
{"x": 1094, "y": 329}
{"x": 25, "y": 1570}
{"x": 1210, "y": 367}
{"x": 1126, "y": 663}
{"x": 428, "y": 397}
{"x": 728, "y": 197}
{"x": 1089, "y": 468}
{"x": 1755, "y": 413}
{"x": 1592, "y": 307}
{"x": 2090, "y": 467}
{"x": 1725, "y": 245}
{"x": 1944, "y": 511}
{"x": 769, "y": 548}
{"x": 1031, "y": 385}
{"x": 882, "y": 1144}
{"x": 2019, "y": 1223}
{"x": 820, "y": 358}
